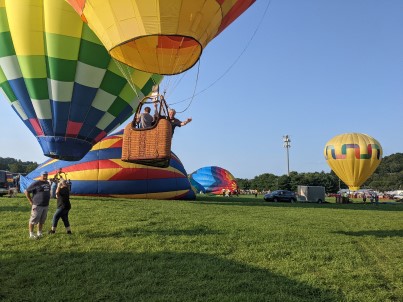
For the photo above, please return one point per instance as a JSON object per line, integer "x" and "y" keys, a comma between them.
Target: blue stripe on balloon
{"x": 111, "y": 187}
{"x": 47, "y": 126}
{"x": 60, "y": 116}
{"x": 109, "y": 153}
{"x": 20, "y": 90}
{"x": 82, "y": 98}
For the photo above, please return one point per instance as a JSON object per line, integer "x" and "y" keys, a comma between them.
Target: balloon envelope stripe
{"x": 236, "y": 10}
{"x": 6, "y": 46}
{"x": 93, "y": 54}
{"x": 357, "y": 151}
{"x": 61, "y": 69}
{"x": 69, "y": 51}
{"x": 8, "y": 91}
{"x": 20, "y": 90}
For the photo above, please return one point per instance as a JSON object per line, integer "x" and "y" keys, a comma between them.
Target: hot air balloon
{"x": 102, "y": 173}
{"x": 159, "y": 36}
{"x": 60, "y": 79}
{"x": 353, "y": 157}
{"x": 213, "y": 179}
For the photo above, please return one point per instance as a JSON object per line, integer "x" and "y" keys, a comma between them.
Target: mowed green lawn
{"x": 212, "y": 249}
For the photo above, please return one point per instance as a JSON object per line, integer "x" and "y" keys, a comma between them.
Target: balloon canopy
{"x": 60, "y": 79}
{"x": 159, "y": 36}
{"x": 102, "y": 173}
{"x": 353, "y": 157}
{"x": 213, "y": 179}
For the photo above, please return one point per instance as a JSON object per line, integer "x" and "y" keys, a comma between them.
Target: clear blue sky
{"x": 314, "y": 69}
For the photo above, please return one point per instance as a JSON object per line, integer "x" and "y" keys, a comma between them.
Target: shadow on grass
{"x": 136, "y": 232}
{"x": 130, "y": 276}
{"x": 379, "y": 233}
{"x": 249, "y": 201}
{"x": 18, "y": 208}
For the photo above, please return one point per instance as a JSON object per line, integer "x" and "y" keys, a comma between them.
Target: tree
{"x": 30, "y": 167}
{"x": 16, "y": 167}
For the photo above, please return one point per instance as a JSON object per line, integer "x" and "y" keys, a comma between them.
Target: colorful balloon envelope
{"x": 158, "y": 36}
{"x": 102, "y": 173}
{"x": 353, "y": 157}
{"x": 60, "y": 79}
{"x": 213, "y": 179}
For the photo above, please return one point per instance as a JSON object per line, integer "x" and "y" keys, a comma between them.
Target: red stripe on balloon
{"x": 73, "y": 128}
{"x": 35, "y": 124}
{"x": 100, "y": 136}
{"x": 234, "y": 12}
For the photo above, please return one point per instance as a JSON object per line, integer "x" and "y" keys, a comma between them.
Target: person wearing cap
{"x": 63, "y": 207}
{"x": 39, "y": 201}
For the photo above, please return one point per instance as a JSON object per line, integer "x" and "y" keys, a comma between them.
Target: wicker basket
{"x": 151, "y": 146}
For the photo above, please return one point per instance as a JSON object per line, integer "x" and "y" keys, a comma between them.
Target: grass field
{"x": 212, "y": 249}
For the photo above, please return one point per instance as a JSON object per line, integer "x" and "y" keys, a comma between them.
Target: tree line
{"x": 387, "y": 177}
{"x": 17, "y": 166}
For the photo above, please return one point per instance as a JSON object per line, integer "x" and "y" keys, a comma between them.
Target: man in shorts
{"x": 39, "y": 201}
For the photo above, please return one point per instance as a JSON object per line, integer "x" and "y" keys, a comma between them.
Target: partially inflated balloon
{"x": 102, "y": 173}
{"x": 213, "y": 179}
{"x": 353, "y": 157}
{"x": 60, "y": 79}
{"x": 159, "y": 36}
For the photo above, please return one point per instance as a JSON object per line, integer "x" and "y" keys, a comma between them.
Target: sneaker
{"x": 33, "y": 237}
{"x": 51, "y": 232}
{"x": 39, "y": 235}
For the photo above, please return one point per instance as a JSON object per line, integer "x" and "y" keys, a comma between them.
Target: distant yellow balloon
{"x": 353, "y": 157}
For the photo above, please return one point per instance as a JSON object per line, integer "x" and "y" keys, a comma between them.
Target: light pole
{"x": 287, "y": 145}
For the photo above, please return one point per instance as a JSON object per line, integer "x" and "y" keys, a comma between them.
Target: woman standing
{"x": 63, "y": 207}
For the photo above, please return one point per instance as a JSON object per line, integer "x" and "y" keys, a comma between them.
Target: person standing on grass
{"x": 39, "y": 202}
{"x": 63, "y": 207}
{"x": 376, "y": 198}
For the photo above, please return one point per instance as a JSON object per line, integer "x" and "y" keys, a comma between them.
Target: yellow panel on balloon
{"x": 158, "y": 36}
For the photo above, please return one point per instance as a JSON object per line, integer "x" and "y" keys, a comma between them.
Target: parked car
{"x": 281, "y": 195}
{"x": 398, "y": 196}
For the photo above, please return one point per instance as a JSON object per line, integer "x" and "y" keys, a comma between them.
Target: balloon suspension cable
{"x": 194, "y": 90}
{"x": 236, "y": 60}
{"x": 175, "y": 83}
{"x": 127, "y": 72}
{"x": 167, "y": 86}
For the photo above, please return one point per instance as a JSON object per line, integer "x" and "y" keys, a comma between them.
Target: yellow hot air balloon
{"x": 353, "y": 157}
{"x": 158, "y": 36}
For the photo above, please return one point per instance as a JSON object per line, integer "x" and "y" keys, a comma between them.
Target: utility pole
{"x": 287, "y": 145}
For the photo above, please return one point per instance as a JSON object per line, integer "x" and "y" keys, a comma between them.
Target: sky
{"x": 309, "y": 69}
